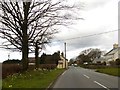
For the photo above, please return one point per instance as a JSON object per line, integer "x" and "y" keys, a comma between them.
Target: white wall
{"x": 116, "y": 56}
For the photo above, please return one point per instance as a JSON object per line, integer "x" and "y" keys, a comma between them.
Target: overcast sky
{"x": 99, "y": 16}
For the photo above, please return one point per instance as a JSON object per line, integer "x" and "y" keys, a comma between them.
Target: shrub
{"x": 117, "y": 62}
{"x": 13, "y": 61}
{"x": 10, "y": 69}
{"x": 104, "y": 63}
{"x": 31, "y": 67}
{"x": 48, "y": 66}
{"x": 112, "y": 63}
{"x": 93, "y": 66}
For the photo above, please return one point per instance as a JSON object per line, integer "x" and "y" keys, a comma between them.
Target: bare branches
{"x": 31, "y": 25}
{"x": 39, "y": 18}
{"x": 26, "y": 24}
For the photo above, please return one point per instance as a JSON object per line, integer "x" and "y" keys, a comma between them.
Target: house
{"x": 101, "y": 60}
{"x": 113, "y": 54}
{"x": 55, "y": 58}
{"x": 62, "y": 62}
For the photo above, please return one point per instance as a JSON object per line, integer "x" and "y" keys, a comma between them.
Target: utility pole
{"x": 65, "y": 54}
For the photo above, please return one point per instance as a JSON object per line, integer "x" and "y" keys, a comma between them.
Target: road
{"x": 77, "y": 77}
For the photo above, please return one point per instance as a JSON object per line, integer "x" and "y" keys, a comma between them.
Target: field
{"x": 111, "y": 71}
{"x": 31, "y": 79}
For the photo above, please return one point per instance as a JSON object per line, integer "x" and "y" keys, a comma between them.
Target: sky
{"x": 99, "y": 16}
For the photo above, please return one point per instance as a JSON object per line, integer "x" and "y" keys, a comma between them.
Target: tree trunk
{"x": 25, "y": 50}
{"x": 25, "y": 54}
{"x": 36, "y": 56}
{"x": 25, "y": 47}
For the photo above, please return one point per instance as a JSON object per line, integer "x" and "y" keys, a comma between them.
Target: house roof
{"x": 113, "y": 51}
{"x": 62, "y": 58}
{"x": 99, "y": 59}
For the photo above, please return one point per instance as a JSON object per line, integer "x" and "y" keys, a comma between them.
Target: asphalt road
{"x": 76, "y": 77}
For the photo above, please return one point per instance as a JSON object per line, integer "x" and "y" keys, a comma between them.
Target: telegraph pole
{"x": 65, "y": 54}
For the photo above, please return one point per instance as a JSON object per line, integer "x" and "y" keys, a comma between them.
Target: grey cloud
{"x": 104, "y": 40}
{"x": 84, "y": 42}
{"x": 92, "y": 4}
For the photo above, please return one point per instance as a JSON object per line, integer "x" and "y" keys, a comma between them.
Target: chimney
{"x": 115, "y": 46}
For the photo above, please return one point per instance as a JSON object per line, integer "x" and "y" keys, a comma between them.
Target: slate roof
{"x": 113, "y": 51}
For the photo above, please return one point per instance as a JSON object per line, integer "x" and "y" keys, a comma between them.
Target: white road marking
{"x": 86, "y": 76}
{"x": 101, "y": 85}
{"x": 63, "y": 73}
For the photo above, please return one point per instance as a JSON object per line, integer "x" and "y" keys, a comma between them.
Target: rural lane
{"x": 77, "y": 77}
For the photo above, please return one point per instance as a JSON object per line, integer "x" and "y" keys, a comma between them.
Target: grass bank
{"x": 110, "y": 70}
{"x": 31, "y": 79}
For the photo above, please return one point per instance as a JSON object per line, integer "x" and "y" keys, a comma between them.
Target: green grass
{"x": 110, "y": 71}
{"x": 31, "y": 79}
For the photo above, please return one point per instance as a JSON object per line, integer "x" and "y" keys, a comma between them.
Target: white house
{"x": 62, "y": 63}
{"x": 101, "y": 59}
{"x": 113, "y": 54}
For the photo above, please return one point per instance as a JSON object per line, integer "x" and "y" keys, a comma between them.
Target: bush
{"x": 13, "y": 61}
{"x": 99, "y": 62}
{"x": 48, "y": 66}
{"x": 112, "y": 63}
{"x": 93, "y": 66}
{"x": 104, "y": 63}
{"x": 31, "y": 67}
{"x": 117, "y": 62}
{"x": 43, "y": 66}
{"x": 10, "y": 69}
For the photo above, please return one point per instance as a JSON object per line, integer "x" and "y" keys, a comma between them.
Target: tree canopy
{"x": 26, "y": 25}
{"x": 89, "y": 55}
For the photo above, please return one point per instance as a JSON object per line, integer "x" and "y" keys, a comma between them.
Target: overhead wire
{"x": 89, "y": 35}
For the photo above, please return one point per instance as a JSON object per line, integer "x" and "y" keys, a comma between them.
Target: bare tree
{"x": 89, "y": 55}
{"x": 39, "y": 44}
{"x": 26, "y": 23}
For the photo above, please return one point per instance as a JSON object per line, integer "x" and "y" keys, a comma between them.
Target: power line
{"x": 89, "y": 35}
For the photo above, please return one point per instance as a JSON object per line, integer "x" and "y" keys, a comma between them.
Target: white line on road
{"x": 86, "y": 76}
{"x": 63, "y": 73}
{"x": 101, "y": 85}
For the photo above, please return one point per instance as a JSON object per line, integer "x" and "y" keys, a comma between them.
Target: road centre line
{"x": 86, "y": 76}
{"x": 101, "y": 85}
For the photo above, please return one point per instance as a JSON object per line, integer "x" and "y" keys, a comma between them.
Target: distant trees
{"x": 88, "y": 55}
{"x": 94, "y": 53}
{"x": 82, "y": 58}
{"x": 71, "y": 62}
{"x": 56, "y": 57}
{"x": 50, "y": 59}
{"x": 30, "y": 24}
{"x": 42, "y": 59}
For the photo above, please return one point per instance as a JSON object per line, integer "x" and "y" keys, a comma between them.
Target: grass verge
{"x": 31, "y": 79}
{"x": 110, "y": 71}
